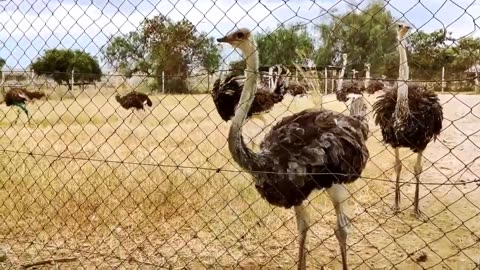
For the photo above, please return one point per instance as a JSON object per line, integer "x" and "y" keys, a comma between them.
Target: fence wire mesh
{"x": 87, "y": 183}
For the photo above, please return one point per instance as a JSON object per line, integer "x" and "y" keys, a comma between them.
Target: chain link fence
{"x": 86, "y": 183}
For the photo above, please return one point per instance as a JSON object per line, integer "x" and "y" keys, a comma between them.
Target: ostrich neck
{"x": 367, "y": 78}
{"x": 401, "y": 109}
{"x": 245, "y": 157}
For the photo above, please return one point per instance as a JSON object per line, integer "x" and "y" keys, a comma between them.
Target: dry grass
{"x": 82, "y": 182}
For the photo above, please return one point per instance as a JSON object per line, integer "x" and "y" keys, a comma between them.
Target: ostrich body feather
{"x": 358, "y": 88}
{"x": 324, "y": 142}
{"x": 134, "y": 100}
{"x": 15, "y": 96}
{"x": 416, "y": 129}
{"x": 19, "y": 96}
{"x": 226, "y": 96}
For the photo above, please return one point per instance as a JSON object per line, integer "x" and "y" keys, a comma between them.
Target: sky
{"x": 28, "y": 27}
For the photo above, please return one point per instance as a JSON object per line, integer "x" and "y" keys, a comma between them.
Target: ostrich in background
{"x": 409, "y": 116}
{"x": 292, "y": 87}
{"x": 346, "y": 89}
{"x": 134, "y": 101}
{"x": 376, "y": 85}
{"x": 312, "y": 149}
{"x": 226, "y": 94}
{"x": 354, "y": 86}
{"x": 350, "y": 88}
{"x": 18, "y": 97}
{"x": 372, "y": 86}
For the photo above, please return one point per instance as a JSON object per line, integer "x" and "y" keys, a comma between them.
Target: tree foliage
{"x": 59, "y": 63}
{"x": 467, "y": 54}
{"x": 237, "y": 67}
{"x": 127, "y": 54}
{"x": 162, "y": 45}
{"x": 367, "y": 36}
{"x": 285, "y": 45}
{"x": 428, "y": 53}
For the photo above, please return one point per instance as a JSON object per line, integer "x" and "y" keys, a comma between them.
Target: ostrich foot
{"x": 421, "y": 216}
{"x": 396, "y": 209}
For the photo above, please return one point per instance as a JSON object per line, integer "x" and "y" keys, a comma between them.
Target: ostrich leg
{"x": 16, "y": 118}
{"x": 130, "y": 116}
{"x": 339, "y": 195}
{"x": 418, "y": 170}
{"x": 398, "y": 170}
{"x": 302, "y": 226}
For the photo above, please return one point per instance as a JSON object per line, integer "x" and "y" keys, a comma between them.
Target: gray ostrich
{"x": 410, "y": 116}
{"x": 312, "y": 149}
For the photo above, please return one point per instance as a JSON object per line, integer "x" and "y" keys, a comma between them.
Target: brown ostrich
{"x": 134, "y": 101}
{"x": 409, "y": 116}
{"x": 309, "y": 150}
{"x": 226, "y": 94}
{"x": 18, "y": 96}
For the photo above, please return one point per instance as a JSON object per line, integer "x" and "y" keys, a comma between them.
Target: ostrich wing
{"x": 327, "y": 143}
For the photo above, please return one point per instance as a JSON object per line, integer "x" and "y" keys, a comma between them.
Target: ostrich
{"x": 350, "y": 88}
{"x": 409, "y": 116}
{"x": 372, "y": 86}
{"x": 135, "y": 101}
{"x": 312, "y": 149}
{"x": 376, "y": 85}
{"x": 226, "y": 94}
{"x": 293, "y": 88}
{"x": 18, "y": 97}
{"x": 356, "y": 88}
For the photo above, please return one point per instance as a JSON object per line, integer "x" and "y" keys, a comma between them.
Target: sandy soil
{"x": 83, "y": 183}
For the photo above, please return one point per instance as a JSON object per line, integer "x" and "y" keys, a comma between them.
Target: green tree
{"x": 367, "y": 36}
{"x": 429, "y": 52}
{"x": 59, "y": 63}
{"x": 285, "y": 45}
{"x": 210, "y": 55}
{"x": 467, "y": 54}
{"x": 162, "y": 45}
{"x": 127, "y": 54}
{"x": 237, "y": 67}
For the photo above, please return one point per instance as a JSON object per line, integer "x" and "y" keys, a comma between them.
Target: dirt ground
{"x": 83, "y": 184}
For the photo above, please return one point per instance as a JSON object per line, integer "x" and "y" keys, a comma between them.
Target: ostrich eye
{"x": 240, "y": 35}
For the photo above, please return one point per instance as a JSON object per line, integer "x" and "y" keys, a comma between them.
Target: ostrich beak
{"x": 224, "y": 39}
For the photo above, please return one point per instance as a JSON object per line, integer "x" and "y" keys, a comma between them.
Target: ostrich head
{"x": 402, "y": 31}
{"x": 241, "y": 39}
